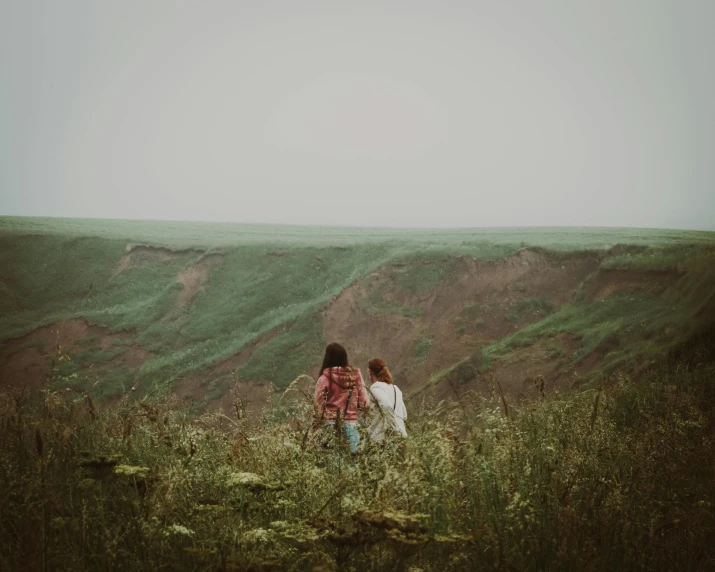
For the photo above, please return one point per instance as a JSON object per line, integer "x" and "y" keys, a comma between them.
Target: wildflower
{"x": 178, "y": 530}
{"x": 207, "y": 508}
{"x": 452, "y": 538}
{"x": 297, "y": 532}
{"x": 132, "y": 472}
{"x": 252, "y": 482}
{"x": 391, "y": 520}
{"x": 257, "y": 535}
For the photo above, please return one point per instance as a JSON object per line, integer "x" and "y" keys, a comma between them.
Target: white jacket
{"x": 387, "y": 410}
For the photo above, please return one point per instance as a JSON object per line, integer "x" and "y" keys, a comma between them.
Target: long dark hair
{"x": 335, "y": 356}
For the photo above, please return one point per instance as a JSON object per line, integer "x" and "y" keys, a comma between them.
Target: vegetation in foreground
{"x": 616, "y": 479}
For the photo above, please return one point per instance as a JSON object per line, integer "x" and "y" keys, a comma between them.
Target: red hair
{"x": 379, "y": 369}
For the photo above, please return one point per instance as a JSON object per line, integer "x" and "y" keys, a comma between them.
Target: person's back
{"x": 389, "y": 412}
{"x": 339, "y": 393}
{"x": 388, "y": 408}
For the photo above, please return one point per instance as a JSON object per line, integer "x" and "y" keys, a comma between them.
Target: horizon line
{"x": 325, "y": 226}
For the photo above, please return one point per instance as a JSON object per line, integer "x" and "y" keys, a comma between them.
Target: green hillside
{"x": 187, "y": 297}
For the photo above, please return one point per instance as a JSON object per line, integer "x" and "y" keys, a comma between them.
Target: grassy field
{"x": 273, "y": 282}
{"x": 201, "y": 234}
{"x": 619, "y": 479}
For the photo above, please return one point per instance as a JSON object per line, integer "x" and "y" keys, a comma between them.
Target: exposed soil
{"x": 537, "y": 370}
{"x": 247, "y": 400}
{"x": 140, "y": 254}
{"x": 134, "y": 356}
{"x": 196, "y": 275}
{"x": 418, "y": 333}
{"x": 469, "y": 310}
{"x": 30, "y": 359}
{"x": 481, "y": 303}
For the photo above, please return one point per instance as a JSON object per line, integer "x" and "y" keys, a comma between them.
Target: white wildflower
{"x": 179, "y": 530}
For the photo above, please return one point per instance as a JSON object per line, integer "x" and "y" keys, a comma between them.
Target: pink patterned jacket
{"x": 332, "y": 391}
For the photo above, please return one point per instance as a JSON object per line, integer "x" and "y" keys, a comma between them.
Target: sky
{"x": 405, "y": 113}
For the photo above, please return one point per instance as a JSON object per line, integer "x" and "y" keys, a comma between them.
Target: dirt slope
{"x": 480, "y": 302}
{"x": 33, "y": 359}
{"x": 143, "y": 254}
{"x": 194, "y": 277}
{"x": 422, "y": 315}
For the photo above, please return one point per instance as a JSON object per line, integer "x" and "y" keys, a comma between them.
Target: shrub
{"x": 619, "y": 478}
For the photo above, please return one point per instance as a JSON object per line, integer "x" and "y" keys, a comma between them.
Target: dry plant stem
{"x": 503, "y": 399}
{"x": 595, "y": 407}
{"x": 338, "y": 491}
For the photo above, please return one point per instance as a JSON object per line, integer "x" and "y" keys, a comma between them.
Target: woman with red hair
{"x": 339, "y": 394}
{"x": 388, "y": 408}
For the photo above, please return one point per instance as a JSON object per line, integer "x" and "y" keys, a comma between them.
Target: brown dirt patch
{"x": 28, "y": 366}
{"x": 366, "y": 335}
{"x": 30, "y": 359}
{"x": 141, "y": 254}
{"x": 134, "y": 356}
{"x": 247, "y": 399}
{"x": 469, "y": 310}
{"x": 521, "y": 374}
{"x": 481, "y": 303}
{"x": 196, "y": 275}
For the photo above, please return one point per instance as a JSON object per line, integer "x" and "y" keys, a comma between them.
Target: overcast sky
{"x": 394, "y": 113}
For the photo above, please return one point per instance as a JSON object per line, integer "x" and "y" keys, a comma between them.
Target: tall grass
{"x": 616, "y": 479}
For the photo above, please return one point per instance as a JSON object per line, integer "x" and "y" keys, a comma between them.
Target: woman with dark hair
{"x": 388, "y": 408}
{"x": 339, "y": 394}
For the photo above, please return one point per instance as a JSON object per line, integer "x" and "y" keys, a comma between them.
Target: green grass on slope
{"x": 680, "y": 257}
{"x": 422, "y": 273}
{"x": 288, "y": 353}
{"x": 41, "y": 275}
{"x": 622, "y": 326}
{"x": 419, "y": 351}
{"x": 276, "y": 279}
{"x": 255, "y": 290}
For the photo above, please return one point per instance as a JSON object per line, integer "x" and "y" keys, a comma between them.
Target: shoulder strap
{"x": 350, "y": 394}
{"x": 394, "y": 391}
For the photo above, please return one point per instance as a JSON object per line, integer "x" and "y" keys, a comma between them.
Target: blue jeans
{"x": 351, "y": 432}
